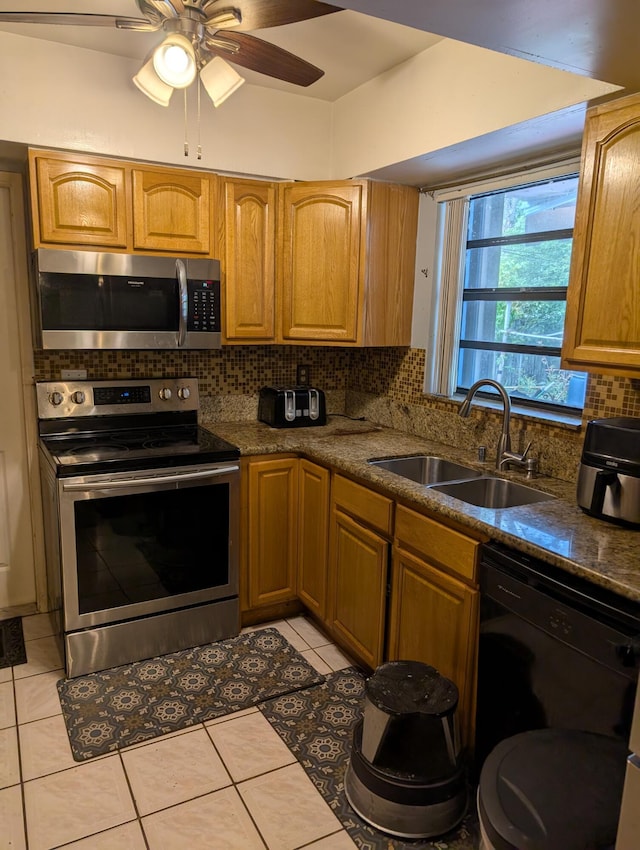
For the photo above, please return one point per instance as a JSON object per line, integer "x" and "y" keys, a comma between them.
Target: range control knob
{"x": 165, "y": 393}
{"x": 184, "y": 393}
{"x": 77, "y": 397}
{"x": 56, "y": 398}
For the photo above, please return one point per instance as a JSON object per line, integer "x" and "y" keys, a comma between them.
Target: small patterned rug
{"x": 136, "y": 702}
{"x": 12, "y": 649}
{"x": 317, "y": 725}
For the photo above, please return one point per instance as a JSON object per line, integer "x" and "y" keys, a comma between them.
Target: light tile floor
{"x": 229, "y": 784}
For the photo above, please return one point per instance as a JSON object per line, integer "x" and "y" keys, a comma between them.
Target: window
{"x": 506, "y": 257}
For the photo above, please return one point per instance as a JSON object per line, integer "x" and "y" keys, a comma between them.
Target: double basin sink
{"x": 462, "y": 482}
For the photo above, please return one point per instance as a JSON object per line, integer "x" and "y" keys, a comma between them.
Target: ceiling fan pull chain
{"x": 199, "y": 145}
{"x": 186, "y": 140}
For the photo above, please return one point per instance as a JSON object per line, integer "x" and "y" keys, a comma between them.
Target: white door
{"x": 20, "y": 511}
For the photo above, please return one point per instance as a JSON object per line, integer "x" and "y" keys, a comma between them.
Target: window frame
{"x": 452, "y": 244}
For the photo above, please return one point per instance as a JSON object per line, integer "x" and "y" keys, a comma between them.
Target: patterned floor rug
{"x": 136, "y": 702}
{"x": 317, "y": 725}
{"x": 12, "y": 649}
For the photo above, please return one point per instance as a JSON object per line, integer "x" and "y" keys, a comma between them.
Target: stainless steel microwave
{"x": 86, "y": 299}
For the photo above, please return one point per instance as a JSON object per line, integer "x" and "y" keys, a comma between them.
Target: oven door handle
{"x": 69, "y": 486}
{"x": 183, "y": 293}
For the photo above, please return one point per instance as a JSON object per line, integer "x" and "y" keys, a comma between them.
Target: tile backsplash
{"x": 232, "y": 370}
{"x": 383, "y": 384}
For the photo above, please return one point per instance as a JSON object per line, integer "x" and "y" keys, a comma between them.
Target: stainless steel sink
{"x": 426, "y": 469}
{"x": 492, "y": 493}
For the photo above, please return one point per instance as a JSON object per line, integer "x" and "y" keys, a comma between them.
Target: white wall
{"x": 426, "y": 275}
{"x": 56, "y": 95}
{"x": 446, "y": 94}
{"x": 60, "y": 96}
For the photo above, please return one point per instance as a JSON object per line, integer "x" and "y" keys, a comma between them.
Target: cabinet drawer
{"x": 438, "y": 543}
{"x": 365, "y": 504}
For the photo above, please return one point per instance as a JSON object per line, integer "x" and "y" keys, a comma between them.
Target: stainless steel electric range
{"x": 141, "y": 510}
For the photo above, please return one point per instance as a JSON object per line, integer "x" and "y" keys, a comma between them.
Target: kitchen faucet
{"x": 504, "y": 455}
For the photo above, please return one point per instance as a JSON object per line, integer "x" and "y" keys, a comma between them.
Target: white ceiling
{"x": 350, "y": 47}
{"x": 354, "y": 46}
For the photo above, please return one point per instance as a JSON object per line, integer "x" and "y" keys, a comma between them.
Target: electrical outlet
{"x": 73, "y": 374}
{"x": 302, "y": 376}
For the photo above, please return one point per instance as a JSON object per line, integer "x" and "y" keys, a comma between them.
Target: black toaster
{"x": 292, "y": 407}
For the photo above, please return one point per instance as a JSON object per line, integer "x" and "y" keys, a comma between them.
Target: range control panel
{"x": 61, "y": 399}
{"x": 204, "y": 305}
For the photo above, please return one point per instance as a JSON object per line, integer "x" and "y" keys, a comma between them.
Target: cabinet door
{"x": 78, "y": 202}
{"x": 272, "y": 530}
{"x": 392, "y": 221}
{"x": 249, "y": 248}
{"x": 602, "y": 329}
{"x": 434, "y": 619}
{"x": 321, "y": 260}
{"x": 359, "y": 564}
{"x": 313, "y": 531}
{"x": 171, "y": 211}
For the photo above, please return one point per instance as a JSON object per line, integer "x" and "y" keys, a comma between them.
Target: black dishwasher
{"x": 554, "y": 651}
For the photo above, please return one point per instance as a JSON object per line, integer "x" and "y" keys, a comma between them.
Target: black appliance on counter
{"x": 292, "y": 407}
{"x": 141, "y": 510}
{"x": 609, "y": 474}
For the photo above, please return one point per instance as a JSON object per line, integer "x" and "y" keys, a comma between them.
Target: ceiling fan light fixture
{"x": 220, "y": 80}
{"x": 150, "y": 84}
{"x": 174, "y": 61}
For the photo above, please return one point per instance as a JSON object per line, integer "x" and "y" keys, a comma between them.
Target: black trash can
{"x": 552, "y": 789}
{"x": 405, "y": 774}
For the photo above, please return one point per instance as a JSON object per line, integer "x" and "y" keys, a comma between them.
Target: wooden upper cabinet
{"x": 322, "y": 259}
{"x": 78, "y": 201}
{"x": 346, "y": 262}
{"x": 602, "y": 329}
{"x": 171, "y": 211}
{"x": 248, "y": 248}
{"x": 392, "y": 225}
{"x": 94, "y": 202}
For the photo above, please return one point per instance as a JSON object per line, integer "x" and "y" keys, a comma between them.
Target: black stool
{"x": 405, "y": 776}
{"x": 552, "y": 789}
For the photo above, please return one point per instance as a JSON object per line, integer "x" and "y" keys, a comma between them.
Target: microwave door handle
{"x": 183, "y": 293}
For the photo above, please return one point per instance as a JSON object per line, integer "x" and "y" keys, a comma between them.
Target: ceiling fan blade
{"x": 266, "y": 58}
{"x": 78, "y": 19}
{"x": 262, "y": 14}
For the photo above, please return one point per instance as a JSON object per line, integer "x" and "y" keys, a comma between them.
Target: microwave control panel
{"x": 204, "y": 305}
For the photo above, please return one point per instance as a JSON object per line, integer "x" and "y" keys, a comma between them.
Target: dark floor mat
{"x": 137, "y": 702}
{"x": 12, "y": 649}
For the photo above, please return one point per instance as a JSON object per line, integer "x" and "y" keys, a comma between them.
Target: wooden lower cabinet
{"x": 434, "y": 619}
{"x": 313, "y": 536}
{"x": 270, "y": 500}
{"x": 358, "y": 587}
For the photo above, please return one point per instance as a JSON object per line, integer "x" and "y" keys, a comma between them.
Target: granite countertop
{"x": 556, "y": 531}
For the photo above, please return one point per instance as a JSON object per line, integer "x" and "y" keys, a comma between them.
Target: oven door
{"x": 139, "y": 543}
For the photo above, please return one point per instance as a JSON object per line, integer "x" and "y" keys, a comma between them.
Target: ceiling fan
{"x": 200, "y": 34}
